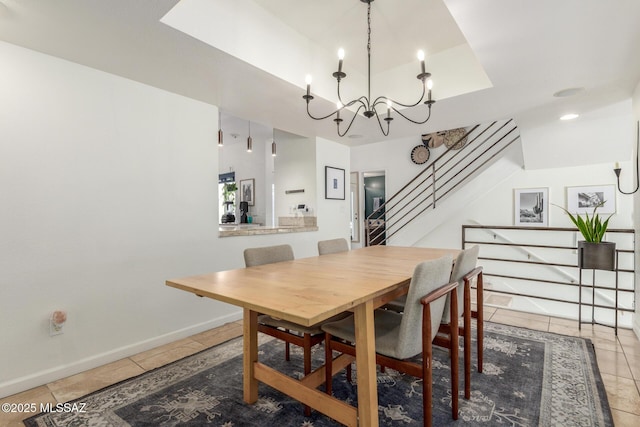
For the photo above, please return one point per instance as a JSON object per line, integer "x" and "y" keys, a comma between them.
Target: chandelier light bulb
{"x": 307, "y": 80}
{"x": 429, "y": 84}
{"x": 340, "y": 58}
{"x": 421, "y": 59}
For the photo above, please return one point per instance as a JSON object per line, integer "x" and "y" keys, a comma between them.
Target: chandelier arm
{"x": 350, "y": 123}
{"x": 319, "y": 118}
{"x": 340, "y": 96}
{"x": 411, "y": 120}
{"x": 384, "y": 99}
{"x": 363, "y": 100}
{"x": 380, "y": 124}
{"x": 360, "y": 100}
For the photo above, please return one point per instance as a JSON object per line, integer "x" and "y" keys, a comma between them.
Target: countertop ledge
{"x": 254, "y": 231}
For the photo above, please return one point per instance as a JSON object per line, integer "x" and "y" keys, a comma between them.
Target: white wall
{"x": 333, "y": 214}
{"x": 294, "y": 168}
{"x": 108, "y": 189}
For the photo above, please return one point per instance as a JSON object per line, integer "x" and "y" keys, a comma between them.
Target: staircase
{"x": 406, "y": 216}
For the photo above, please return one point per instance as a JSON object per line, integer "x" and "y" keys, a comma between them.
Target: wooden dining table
{"x": 307, "y": 291}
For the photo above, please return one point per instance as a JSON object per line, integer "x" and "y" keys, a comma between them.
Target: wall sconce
{"x": 617, "y": 169}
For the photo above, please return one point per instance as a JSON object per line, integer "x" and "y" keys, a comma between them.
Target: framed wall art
{"x": 334, "y": 183}
{"x": 248, "y": 191}
{"x": 531, "y": 207}
{"x": 581, "y": 200}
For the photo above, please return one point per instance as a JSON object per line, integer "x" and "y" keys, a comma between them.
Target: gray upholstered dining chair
{"x": 464, "y": 271}
{"x": 326, "y": 247}
{"x": 395, "y": 333}
{"x": 290, "y": 333}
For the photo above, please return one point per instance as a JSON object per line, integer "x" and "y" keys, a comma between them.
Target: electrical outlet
{"x": 55, "y": 329}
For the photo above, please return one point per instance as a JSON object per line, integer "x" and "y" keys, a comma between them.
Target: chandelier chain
{"x": 369, "y": 29}
{"x": 369, "y": 56}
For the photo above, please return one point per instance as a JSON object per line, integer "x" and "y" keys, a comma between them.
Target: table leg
{"x": 250, "y": 355}
{"x": 366, "y": 365}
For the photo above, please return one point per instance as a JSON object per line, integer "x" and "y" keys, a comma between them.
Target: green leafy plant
{"x": 592, "y": 228}
{"x": 229, "y": 192}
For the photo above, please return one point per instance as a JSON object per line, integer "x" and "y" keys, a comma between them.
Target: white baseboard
{"x": 37, "y": 379}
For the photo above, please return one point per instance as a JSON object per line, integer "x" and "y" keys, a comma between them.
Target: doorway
{"x": 374, "y": 199}
{"x": 354, "y": 223}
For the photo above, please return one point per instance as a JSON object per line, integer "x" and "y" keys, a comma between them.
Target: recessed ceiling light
{"x": 568, "y": 92}
{"x": 570, "y": 116}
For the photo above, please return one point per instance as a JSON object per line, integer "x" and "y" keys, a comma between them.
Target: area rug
{"x": 530, "y": 378}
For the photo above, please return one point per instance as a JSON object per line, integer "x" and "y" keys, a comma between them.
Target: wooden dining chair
{"x": 326, "y": 247}
{"x": 395, "y": 333}
{"x": 464, "y": 272}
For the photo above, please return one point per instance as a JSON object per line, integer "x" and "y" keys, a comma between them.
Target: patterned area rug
{"x": 530, "y": 378}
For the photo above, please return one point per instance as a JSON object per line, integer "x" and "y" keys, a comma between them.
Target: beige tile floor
{"x": 618, "y": 359}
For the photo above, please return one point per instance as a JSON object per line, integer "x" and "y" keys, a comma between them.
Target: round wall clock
{"x": 420, "y": 154}
{"x": 455, "y": 138}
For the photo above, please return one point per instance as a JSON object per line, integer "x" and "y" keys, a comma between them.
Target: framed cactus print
{"x": 531, "y": 207}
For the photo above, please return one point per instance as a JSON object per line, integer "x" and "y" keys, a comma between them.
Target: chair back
{"x": 332, "y": 246}
{"x": 267, "y": 255}
{"x": 427, "y": 277}
{"x": 466, "y": 262}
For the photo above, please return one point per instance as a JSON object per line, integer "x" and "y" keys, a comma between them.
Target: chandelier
{"x": 365, "y": 104}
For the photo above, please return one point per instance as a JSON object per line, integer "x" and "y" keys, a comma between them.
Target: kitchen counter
{"x": 229, "y": 230}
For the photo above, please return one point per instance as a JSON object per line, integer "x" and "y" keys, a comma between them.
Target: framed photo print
{"x": 247, "y": 191}
{"x": 531, "y": 207}
{"x": 582, "y": 200}
{"x": 334, "y": 183}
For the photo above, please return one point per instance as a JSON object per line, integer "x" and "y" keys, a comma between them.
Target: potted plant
{"x": 229, "y": 195}
{"x": 593, "y": 253}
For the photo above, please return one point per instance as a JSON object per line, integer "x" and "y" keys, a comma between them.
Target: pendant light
{"x": 220, "y": 136}
{"x": 249, "y": 140}
{"x": 273, "y": 144}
